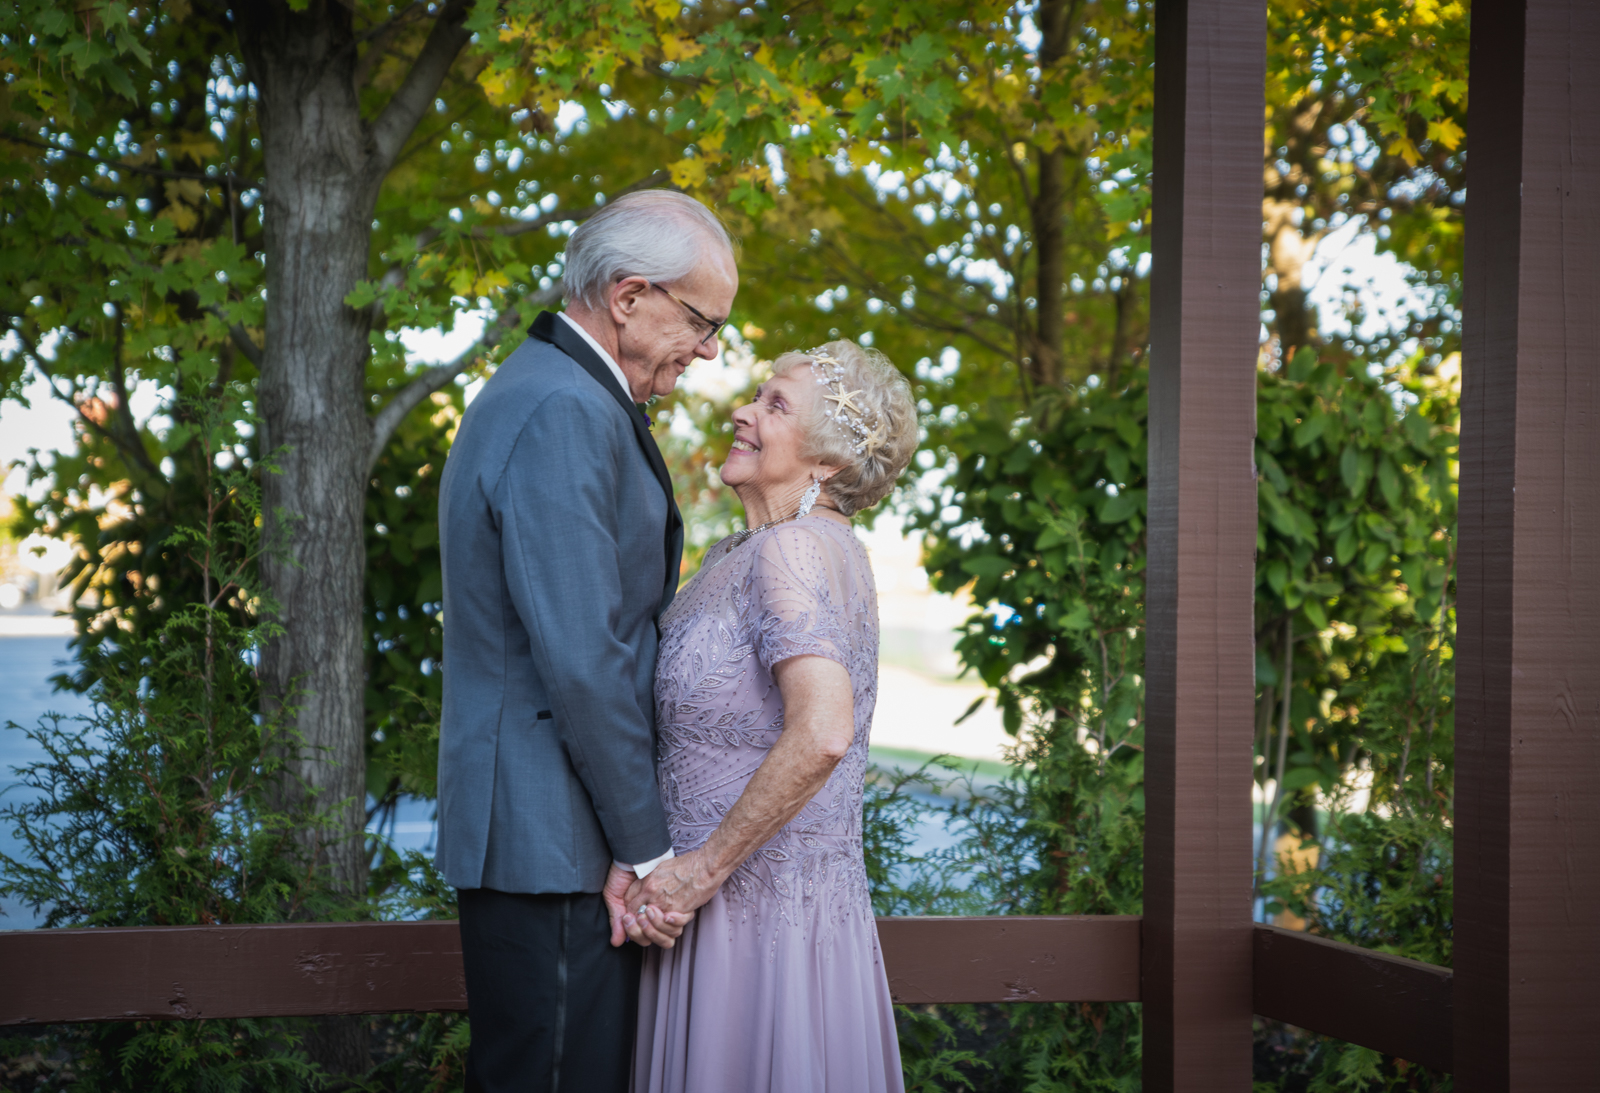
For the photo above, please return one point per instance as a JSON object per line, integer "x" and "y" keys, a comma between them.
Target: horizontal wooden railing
{"x": 1400, "y": 1007}
{"x": 1397, "y": 1006}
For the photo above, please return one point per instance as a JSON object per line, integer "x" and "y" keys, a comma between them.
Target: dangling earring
{"x": 809, "y": 498}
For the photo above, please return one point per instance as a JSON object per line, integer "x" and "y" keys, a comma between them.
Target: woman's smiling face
{"x": 768, "y": 455}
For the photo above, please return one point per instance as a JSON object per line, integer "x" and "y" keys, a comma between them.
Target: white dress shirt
{"x": 643, "y": 868}
{"x": 616, "y": 369}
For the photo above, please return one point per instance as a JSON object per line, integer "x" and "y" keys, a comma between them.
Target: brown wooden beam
{"x": 1397, "y": 1006}
{"x": 174, "y": 973}
{"x": 1393, "y": 1005}
{"x": 1527, "y": 837}
{"x": 1012, "y": 958}
{"x": 1199, "y": 650}
{"x": 170, "y": 973}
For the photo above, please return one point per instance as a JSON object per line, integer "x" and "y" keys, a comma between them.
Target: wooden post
{"x": 1200, "y": 654}
{"x": 1527, "y": 913}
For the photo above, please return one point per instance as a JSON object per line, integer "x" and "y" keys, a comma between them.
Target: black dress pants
{"x": 552, "y": 1004}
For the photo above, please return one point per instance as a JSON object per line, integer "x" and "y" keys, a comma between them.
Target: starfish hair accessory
{"x": 867, "y": 428}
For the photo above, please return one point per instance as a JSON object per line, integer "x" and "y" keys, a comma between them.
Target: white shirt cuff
{"x": 642, "y": 870}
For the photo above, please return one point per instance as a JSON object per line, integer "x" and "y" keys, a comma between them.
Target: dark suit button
{"x": 545, "y": 715}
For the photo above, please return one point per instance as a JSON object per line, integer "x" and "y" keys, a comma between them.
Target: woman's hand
{"x": 657, "y": 928}
{"x": 681, "y": 884}
{"x": 818, "y": 728}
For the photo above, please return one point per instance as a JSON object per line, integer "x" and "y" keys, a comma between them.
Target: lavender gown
{"x": 778, "y": 984}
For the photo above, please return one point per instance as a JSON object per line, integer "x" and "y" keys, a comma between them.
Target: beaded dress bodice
{"x": 803, "y": 587}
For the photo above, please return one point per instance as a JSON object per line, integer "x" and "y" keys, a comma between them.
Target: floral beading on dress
{"x": 802, "y": 588}
{"x": 778, "y": 983}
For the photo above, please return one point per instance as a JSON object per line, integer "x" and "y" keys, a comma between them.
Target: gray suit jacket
{"x": 561, "y": 544}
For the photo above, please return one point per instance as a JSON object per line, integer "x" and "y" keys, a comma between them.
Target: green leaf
{"x": 1315, "y": 612}
{"x": 1117, "y": 464}
{"x": 1266, "y": 671}
{"x": 1345, "y": 548}
{"x": 972, "y": 709}
{"x": 1076, "y": 619}
{"x": 1277, "y": 574}
{"x": 1114, "y": 510}
{"x": 1375, "y": 417}
{"x": 1301, "y": 364}
{"x": 119, "y": 81}
{"x": 1310, "y": 429}
{"x": 1272, "y": 471}
{"x": 1389, "y": 482}
{"x": 1300, "y": 778}
{"x": 1018, "y": 461}
{"x": 986, "y": 565}
{"x": 1350, "y": 468}
{"x": 1418, "y": 428}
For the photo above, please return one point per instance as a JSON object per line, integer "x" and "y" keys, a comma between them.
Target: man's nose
{"x": 708, "y": 350}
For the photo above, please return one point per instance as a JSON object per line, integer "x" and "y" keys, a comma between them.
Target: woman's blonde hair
{"x": 871, "y": 434}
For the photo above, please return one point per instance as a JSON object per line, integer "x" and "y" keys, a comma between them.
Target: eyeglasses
{"x": 714, "y": 324}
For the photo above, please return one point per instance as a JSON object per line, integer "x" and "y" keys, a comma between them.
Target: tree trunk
{"x": 324, "y": 167}
{"x": 1288, "y": 251}
{"x": 317, "y": 214}
{"x": 1049, "y": 229}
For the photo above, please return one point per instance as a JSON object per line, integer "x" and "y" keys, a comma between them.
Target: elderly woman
{"x": 765, "y": 686}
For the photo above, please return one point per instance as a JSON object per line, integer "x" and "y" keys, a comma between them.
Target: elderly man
{"x": 561, "y": 544}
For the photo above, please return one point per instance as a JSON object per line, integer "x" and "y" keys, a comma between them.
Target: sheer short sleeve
{"x": 802, "y": 585}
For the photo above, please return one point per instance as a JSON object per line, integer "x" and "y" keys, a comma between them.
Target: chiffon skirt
{"x": 746, "y": 1004}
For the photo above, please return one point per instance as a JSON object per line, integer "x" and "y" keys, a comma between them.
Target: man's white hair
{"x": 661, "y": 235}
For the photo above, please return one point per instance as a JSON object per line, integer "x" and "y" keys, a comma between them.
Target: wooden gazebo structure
{"x": 1521, "y": 1009}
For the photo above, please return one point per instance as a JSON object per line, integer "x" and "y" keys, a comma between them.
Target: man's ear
{"x": 626, "y": 296}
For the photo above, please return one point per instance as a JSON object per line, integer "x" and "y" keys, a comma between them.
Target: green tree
{"x": 1366, "y": 122}
{"x": 254, "y": 200}
{"x": 161, "y": 808}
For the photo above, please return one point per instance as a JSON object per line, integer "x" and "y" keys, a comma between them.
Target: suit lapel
{"x": 549, "y": 328}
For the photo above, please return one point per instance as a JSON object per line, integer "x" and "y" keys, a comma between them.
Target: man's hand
{"x": 614, "y": 893}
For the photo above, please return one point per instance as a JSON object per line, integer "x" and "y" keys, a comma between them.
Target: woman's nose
{"x": 742, "y": 415}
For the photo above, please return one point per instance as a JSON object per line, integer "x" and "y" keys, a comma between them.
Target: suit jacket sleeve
{"x": 559, "y": 529}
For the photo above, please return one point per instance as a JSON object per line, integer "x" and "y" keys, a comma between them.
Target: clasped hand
{"x": 655, "y": 910}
